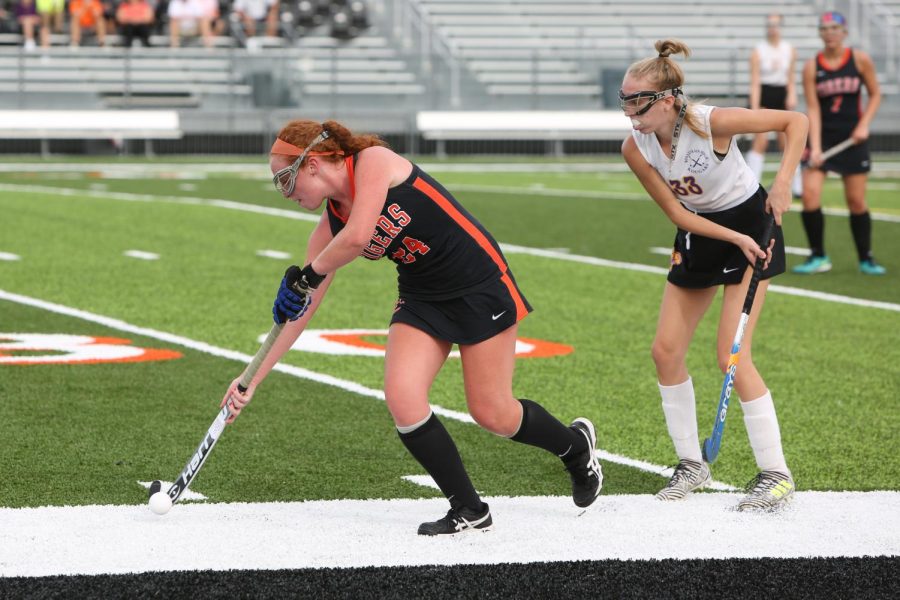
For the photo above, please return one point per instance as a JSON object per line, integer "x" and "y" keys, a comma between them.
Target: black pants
{"x": 131, "y": 31}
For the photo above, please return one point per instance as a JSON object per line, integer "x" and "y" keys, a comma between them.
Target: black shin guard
{"x": 814, "y": 225}
{"x": 433, "y": 447}
{"x": 861, "y": 226}
{"x": 540, "y": 428}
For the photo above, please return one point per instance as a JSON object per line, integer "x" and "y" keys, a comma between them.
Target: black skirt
{"x": 701, "y": 262}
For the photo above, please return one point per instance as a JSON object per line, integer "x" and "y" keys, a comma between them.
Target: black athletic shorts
{"x": 851, "y": 161}
{"x": 468, "y": 319}
{"x": 701, "y": 262}
{"x": 773, "y": 96}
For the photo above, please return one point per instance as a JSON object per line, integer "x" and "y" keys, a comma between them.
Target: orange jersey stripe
{"x": 476, "y": 234}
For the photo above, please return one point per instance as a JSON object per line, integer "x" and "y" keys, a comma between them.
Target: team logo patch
{"x": 675, "y": 260}
{"x": 697, "y": 161}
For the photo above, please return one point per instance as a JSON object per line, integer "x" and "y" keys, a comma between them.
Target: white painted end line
{"x": 9, "y": 256}
{"x": 69, "y": 540}
{"x": 140, "y": 254}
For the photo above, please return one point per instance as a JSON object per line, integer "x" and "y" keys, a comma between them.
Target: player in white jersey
{"x": 686, "y": 158}
{"x": 772, "y": 85}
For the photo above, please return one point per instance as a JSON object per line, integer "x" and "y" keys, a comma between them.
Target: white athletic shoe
{"x": 689, "y": 475}
{"x": 768, "y": 491}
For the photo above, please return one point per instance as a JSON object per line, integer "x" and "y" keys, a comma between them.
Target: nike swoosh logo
{"x": 495, "y": 317}
{"x": 730, "y": 270}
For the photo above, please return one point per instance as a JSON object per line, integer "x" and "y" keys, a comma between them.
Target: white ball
{"x": 160, "y": 503}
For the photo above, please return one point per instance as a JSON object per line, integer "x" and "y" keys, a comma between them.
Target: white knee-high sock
{"x": 755, "y": 160}
{"x": 764, "y": 434}
{"x": 680, "y": 409}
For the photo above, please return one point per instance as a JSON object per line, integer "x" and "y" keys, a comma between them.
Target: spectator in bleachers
{"x": 257, "y": 14}
{"x": 28, "y": 19}
{"x": 772, "y": 86}
{"x": 192, "y": 15}
{"x": 135, "y": 19}
{"x": 86, "y": 15}
{"x": 51, "y": 14}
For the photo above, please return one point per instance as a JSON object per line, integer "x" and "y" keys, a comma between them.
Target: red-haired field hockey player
{"x": 455, "y": 287}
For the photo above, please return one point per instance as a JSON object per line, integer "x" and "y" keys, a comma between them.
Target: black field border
{"x": 776, "y": 579}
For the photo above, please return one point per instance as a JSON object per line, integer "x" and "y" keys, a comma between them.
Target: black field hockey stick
{"x": 712, "y": 443}
{"x": 218, "y": 425}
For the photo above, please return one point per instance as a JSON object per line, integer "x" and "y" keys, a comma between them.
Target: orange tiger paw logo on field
{"x": 55, "y": 349}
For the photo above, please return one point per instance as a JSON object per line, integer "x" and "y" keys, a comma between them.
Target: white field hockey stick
{"x": 218, "y": 425}
{"x": 712, "y": 443}
{"x": 837, "y": 149}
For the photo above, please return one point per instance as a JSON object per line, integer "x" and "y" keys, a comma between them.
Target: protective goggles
{"x": 640, "y": 102}
{"x": 286, "y": 179}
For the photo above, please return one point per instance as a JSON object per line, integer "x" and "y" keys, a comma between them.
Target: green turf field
{"x": 86, "y": 434}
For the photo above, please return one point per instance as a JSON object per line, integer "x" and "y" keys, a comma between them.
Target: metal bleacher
{"x": 537, "y": 53}
{"x": 528, "y": 47}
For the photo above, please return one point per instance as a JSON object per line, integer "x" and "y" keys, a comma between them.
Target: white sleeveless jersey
{"x": 701, "y": 181}
{"x": 774, "y": 62}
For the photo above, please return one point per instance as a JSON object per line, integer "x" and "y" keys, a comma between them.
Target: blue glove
{"x": 295, "y": 293}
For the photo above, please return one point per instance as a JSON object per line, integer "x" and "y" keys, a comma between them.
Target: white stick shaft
{"x": 837, "y": 149}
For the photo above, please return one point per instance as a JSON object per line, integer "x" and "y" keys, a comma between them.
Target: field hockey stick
{"x": 218, "y": 425}
{"x": 837, "y": 149}
{"x": 712, "y": 443}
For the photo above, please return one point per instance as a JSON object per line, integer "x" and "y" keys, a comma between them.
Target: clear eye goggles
{"x": 286, "y": 179}
{"x": 640, "y": 102}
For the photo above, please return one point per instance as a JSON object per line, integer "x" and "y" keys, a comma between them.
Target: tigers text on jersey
{"x": 838, "y": 91}
{"x": 774, "y": 62}
{"x": 702, "y": 181}
{"x": 441, "y": 251}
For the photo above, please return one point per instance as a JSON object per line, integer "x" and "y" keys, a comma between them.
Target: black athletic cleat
{"x": 584, "y": 468}
{"x": 458, "y": 520}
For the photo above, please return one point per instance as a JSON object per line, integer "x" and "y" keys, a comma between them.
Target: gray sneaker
{"x": 768, "y": 491}
{"x": 689, "y": 475}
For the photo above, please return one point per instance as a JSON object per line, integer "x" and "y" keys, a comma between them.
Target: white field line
{"x": 9, "y": 256}
{"x": 360, "y": 533}
{"x": 781, "y": 289}
{"x": 142, "y": 255}
{"x": 350, "y": 386}
{"x": 290, "y": 214}
{"x": 787, "y": 249}
{"x": 422, "y": 480}
{"x": 278, "y": 254}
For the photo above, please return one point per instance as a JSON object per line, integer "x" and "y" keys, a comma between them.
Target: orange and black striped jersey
{"x": 441, "y": 250}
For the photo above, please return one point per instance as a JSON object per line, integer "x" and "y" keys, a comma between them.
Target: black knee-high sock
{"x": 540, "y": 428}
{"x": 861, "y": 226}
{"x": 433, "y": 447}
{"x": 814, "y": 224}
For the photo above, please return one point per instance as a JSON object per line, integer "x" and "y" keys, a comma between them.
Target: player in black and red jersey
{"x": 455, "y": 287}
{"x": 833, "y": 83}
